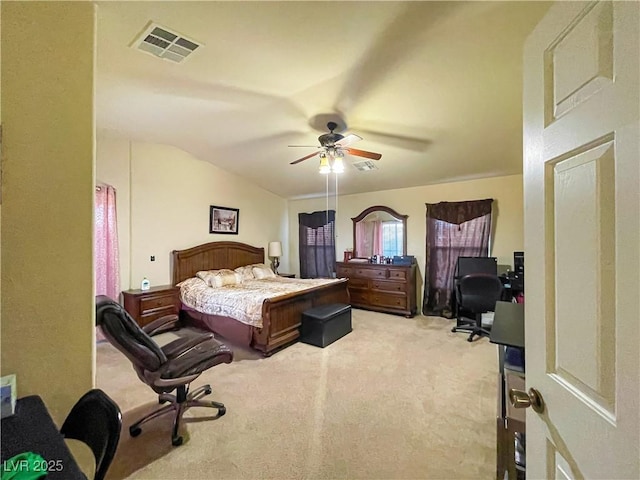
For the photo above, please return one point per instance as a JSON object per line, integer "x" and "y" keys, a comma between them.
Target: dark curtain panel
{"x": 317, "y": 244}
{"x": 454, "y": 229}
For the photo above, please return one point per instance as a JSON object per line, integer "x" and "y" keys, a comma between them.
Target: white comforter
{"x": 242, "y": 301}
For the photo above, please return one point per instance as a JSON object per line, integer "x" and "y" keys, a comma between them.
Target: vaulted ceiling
{"x": 435, "y": 87}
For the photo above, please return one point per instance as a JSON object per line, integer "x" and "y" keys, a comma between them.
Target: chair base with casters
{"x": 179, "y": 404}
{"x": 474, "y": 329}
{"x": 165, "y": 369}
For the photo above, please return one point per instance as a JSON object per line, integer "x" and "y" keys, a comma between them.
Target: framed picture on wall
{"x": 223, "y": 220}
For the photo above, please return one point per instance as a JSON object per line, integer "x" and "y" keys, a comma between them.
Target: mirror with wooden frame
{"x": 380, "y": 231}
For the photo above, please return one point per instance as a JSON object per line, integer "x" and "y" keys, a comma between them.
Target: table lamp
{"x": 275, "y": 252}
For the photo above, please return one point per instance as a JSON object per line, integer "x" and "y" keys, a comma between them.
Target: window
{"x": 317, "y": 244}
{"x": 454, "y": 229}
{"x": 460, "y": 240}
{"x": 392, "y": 236}
{"x": 320, "y": 236}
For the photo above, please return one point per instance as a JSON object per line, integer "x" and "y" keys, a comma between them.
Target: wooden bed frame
{"x": 281, "y": 316}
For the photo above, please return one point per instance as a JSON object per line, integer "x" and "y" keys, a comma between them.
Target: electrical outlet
{"x": 153, "y": 258}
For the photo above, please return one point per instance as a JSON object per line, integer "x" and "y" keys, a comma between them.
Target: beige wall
{"x": 165, "y": 194}
{"x": 508, "y": 234}
{"x": 47, "y": 205}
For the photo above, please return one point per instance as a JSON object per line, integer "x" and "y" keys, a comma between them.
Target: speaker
{"x": 518, "y": 263}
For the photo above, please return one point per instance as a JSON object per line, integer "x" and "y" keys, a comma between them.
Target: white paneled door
{"x": 582, "y": 241}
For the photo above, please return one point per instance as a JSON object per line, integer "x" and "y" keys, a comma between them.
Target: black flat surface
{"x": 508, "y": 324}
{"x": 31, "y": 429}
{"x": 325, "y": 312}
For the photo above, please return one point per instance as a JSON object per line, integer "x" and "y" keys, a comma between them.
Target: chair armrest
{"x": 162, "y": 324}
{"x": 183, "y": 345}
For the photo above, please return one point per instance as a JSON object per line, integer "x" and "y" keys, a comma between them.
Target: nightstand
{"x": 147, "y": 305}
{"x": 287, "y": 275}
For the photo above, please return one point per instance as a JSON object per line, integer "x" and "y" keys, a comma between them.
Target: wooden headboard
{"x": 213, "y": 256}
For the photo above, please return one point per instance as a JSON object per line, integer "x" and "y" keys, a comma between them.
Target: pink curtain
{"x": 106, "y": 243}
{"x": 369, "y": 238}
{"x": 363, "y": 248}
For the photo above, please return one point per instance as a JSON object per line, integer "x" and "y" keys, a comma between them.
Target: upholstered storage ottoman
{"x": 325, "y": 324}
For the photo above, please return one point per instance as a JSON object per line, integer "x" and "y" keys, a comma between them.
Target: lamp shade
{"x": 325, "y": 168}
{"x": 275, "y": 249}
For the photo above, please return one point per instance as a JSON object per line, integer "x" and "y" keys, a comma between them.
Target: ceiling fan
{"x": 334, "y": 146}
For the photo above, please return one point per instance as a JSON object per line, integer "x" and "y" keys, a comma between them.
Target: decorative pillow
{"x": 226, "y": 277}
{"x": 246, "y": 272}
{"x": 261, "y": 271}
{"x": 205, "y": 275}
{"x": 219, "y": 278}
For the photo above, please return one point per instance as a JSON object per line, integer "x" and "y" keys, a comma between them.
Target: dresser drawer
{"x": 355, "y": 282}
{"x": 371, "y": 272}
{"x": 151, "y": 315}
{"x": 360, "y": 297}
{"x": 344, "y": 272}
{"x": 157, "y": 301}
{"x": 388, "y": 300}
{"x": 397, "y": 274}
{"x": 388, "y": 286}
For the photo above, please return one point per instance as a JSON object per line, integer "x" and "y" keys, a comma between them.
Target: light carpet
{"x": 397, "y": 398}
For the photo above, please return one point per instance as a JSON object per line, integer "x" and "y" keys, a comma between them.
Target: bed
{"x": 280, "y": 315}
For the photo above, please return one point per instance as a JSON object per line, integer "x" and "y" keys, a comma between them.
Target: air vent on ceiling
{"x": 365, "y": 165}
{"x": 163, "y": 43}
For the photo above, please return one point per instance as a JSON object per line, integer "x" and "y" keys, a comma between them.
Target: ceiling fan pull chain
{"x": 335, "y": 225}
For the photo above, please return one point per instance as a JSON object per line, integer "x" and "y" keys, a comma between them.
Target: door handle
{"x": 522, "y": 399}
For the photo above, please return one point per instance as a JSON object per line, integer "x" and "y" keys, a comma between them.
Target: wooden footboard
{"x": 281, "y": 317}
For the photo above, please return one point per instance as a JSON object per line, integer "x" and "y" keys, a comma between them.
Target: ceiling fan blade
{"x": 307, "y": 146}
{"x": 405, "y": 142}
{"x": 304, "y": 158}
{"x": 348, "y": 140}
{"x": 363, "y": 153}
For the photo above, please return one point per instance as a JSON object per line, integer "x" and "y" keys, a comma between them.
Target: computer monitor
{"x": 467, "y": 265}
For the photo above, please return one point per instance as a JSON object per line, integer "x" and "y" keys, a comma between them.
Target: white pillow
{"x": 246, "y": 272}
{"x": 262, "y": 271}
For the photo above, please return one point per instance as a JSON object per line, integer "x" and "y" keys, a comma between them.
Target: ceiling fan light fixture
{"x": 338, "y": 163}
{"x": 333, "y": 146}
{"x": 325, "y": 168}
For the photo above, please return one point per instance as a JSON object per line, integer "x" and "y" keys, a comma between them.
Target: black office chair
{"x": 95, "y": 420}
{"x": 165, "y": 369}
{"x": 476, "y": 293}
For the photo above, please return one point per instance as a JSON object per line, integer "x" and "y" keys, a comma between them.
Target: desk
{"x": 508, "y": 325}
{"x": 31, "y": 429}
{"x": 508, "y": 331}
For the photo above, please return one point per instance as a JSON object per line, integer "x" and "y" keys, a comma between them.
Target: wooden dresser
{"x": 147, "y": 305}
{"x": 381, "y": 287}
